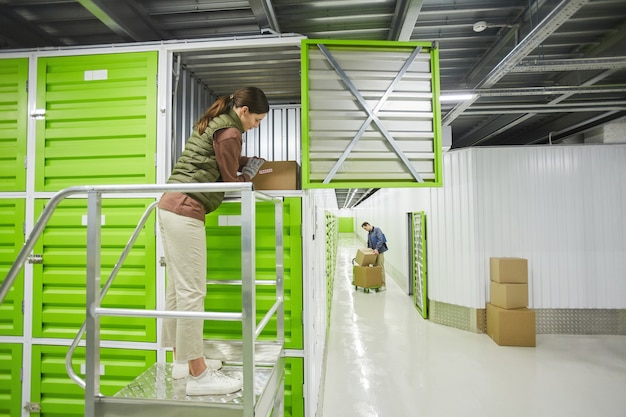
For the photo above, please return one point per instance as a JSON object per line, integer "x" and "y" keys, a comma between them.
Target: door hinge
{"x": 33, "y": 407}
{"x": 162, "y": 261}
{"x": 34, "y": 258}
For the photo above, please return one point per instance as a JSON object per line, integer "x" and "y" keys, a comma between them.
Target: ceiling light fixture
{"x": 482, "y": 25}
{"x": 456, "y": 97}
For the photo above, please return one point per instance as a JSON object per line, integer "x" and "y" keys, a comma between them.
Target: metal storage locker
{"x": 59, "y": 280}
{"x": 96, "y": 120}
{"x": 54, "y": 394}
{"x": 11, "y": 381}
{"x": 224, "y": 265}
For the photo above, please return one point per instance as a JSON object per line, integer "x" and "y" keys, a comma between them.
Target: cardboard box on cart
{"x": 368, "y": 276}
{"x": 365, "y": 257}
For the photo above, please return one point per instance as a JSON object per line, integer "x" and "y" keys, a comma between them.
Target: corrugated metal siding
{"x": 191, "y": 100}
{"x": 451, "y": 228}
{"x": 278, "y": 136}
{"x": 560, "y": 207}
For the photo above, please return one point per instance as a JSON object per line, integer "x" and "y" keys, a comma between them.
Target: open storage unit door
{"x": 371, "y": 115}
{"x": 419, "y": 270}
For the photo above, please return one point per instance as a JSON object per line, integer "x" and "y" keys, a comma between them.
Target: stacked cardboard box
{"x": 365, "y": 274}
{"x": 509, "y": 321}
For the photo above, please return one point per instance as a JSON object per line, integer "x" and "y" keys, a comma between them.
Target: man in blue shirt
{"x": 376, "y": 240}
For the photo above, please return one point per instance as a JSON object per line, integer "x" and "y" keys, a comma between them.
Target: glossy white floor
{"x": 384, "y": 360}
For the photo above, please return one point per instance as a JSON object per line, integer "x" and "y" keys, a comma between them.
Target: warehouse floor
{"x": 385, "y": 360}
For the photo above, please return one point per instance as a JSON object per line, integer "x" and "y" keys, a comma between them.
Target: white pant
{"x": 184, "y": 244}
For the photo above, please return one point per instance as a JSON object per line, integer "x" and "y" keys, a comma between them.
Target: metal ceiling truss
{"x": 540, "y": 33}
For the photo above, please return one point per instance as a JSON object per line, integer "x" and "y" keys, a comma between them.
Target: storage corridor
{"x": 385, "y": 360}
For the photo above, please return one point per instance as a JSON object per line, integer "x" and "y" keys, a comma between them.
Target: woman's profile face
{"x": 249, "y": 120}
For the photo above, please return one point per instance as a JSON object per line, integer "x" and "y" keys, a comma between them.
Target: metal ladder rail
{"x": 247, "y": 316}
{"x": 94, "y": 194}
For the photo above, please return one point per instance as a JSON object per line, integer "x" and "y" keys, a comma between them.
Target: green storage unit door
{"x": 13, "y": 123}
{"x": 59, "y": 282}
{"x": 418, "y": 262}
{"x": 224, "y": 263}
{"x": 346, "y": 224}
{"x": 100, "y": 120}
{"x": 11, "y": 241}
{"x": 294, "y": 387}
{"x": 59, "y": 396}
{"x": 10, "y": 380}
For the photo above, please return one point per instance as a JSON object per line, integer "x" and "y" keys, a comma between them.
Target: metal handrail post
{"x": 280, "y": 272}
{"x": 248, "y": 298}
{"x": 92, "y": 320}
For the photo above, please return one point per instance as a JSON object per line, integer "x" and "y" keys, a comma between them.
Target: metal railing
{"x": 94, "y": 295}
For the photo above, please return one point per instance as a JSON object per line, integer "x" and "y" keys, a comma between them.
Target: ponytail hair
{"x": 252, "y": 97}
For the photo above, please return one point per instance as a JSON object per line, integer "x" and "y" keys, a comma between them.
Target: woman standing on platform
{"x": 212, "y": 154}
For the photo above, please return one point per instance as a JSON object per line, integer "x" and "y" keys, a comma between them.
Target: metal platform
{"x": 155, "y": 393}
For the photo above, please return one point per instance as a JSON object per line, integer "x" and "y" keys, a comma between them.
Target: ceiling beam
{"x": 264, "y": 13}
{"x": 21, "y": 33}
{"x": 124, "y": 18}
{"x": 404, "y": 19}
{"x": 538, "y": 91}
{"x": 576, "y": 64}
{"x": 559, "y": 15}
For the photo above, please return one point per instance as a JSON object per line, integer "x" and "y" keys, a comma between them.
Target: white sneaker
{"x": 212, "y": 382}
{"x": 181, "y": 370}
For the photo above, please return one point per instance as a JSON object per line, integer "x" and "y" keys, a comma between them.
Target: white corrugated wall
{"x": 561, "y": 207}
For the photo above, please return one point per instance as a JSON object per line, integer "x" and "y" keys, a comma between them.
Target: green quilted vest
{"x": 197, "y": 162}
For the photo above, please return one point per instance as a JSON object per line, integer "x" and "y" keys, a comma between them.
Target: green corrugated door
{"x": 294, "y": 387}
{"x": 13, "y": 122}
{"x": 59, "y": 396}
{"x": 100, "y": 120}
{"x": 10, "y": 380}
{"x": 11, "y": 241}
{"x": 224, "y": 263}
{"x": 59, "y": 282}
{"x": 418, "y": 262}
